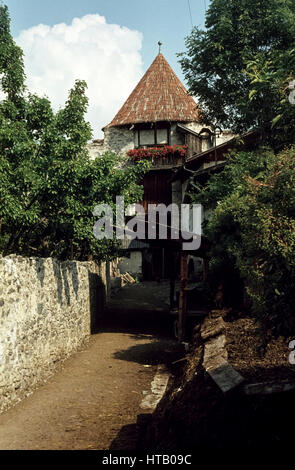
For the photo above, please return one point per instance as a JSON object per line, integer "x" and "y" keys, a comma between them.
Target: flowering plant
{"x": 157, "y": 152}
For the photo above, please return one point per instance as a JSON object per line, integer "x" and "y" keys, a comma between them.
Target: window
{"x": 162, "y": 136}
{"x": 146, "y": 137}
{"x": 149, "y": 135}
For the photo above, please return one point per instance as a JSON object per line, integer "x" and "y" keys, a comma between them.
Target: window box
{"x": 166, "y": 152}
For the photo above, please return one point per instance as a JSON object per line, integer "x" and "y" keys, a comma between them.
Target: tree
{"x": 252, "y": 231}
{"x": 48, "y": 185}
{"x": 11, "y": 59}
{"x": 278, "y": 76}
{"x": 240, "y": 66}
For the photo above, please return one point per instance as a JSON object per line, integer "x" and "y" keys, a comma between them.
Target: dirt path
{"x": 96, "y": 393}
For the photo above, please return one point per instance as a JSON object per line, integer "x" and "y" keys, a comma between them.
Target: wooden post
{"x": 182, "y": 308}
{"x": 172, "y": 280}
{"x": 172, "y": 291}
{"x": 205, "y": 268}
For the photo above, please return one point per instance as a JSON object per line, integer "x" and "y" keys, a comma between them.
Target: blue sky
{"x": 165, "y": 20}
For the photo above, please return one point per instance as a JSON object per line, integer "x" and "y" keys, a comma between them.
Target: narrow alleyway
{"x": 95, "y": 394}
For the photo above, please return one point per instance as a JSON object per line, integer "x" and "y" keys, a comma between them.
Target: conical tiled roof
{"x": 159, "y": 96}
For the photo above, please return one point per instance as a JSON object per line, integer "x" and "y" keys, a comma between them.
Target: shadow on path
{"x": 156, "y": 328}
{"x": 157, "y": 352}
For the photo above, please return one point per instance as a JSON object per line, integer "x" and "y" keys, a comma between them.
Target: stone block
{"x": 226, "y": 377}
{"x": 216, "y": 365}
{"x": 212, "y": 327}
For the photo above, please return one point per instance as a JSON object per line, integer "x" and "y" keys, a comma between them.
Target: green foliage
{"x": 272, "y": 80}
{"x": 11, "y": 63}
{"x": 240, "y": 66}
{"x": 252, "y": 230}
{"x": 48, "y": 185}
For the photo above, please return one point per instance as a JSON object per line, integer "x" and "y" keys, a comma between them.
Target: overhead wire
{"x": 190, "y": 12}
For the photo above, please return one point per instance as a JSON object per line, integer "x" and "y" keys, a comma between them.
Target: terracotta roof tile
{"x": 159, "y": 96}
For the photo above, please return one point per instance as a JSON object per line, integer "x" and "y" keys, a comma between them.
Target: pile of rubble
{"x": 217, "y": 364}
{"x": 232, "y": 389}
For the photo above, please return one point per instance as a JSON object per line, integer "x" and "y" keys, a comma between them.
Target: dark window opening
{"x": 152, "y": 135}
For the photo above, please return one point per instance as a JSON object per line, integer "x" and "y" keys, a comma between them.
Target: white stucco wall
{"x": 131, "y": 264}
{"x": 209, "y": 143}
{"x": 177, "y": 138}
{"x": 95, "y": 149}
{"x": 224, "y": 137}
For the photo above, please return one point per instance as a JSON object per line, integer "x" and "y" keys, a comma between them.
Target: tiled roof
{"x": 159, "y": 96}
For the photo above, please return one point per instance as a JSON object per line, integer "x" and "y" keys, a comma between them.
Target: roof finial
{"x": 160, "y": 44}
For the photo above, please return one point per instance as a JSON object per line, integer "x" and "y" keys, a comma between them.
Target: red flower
{"x": 157, "y": 152}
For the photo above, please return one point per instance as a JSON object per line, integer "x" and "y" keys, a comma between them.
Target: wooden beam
{"x": 163, "y": 263}
{"x": 169, "y": 134}
{"x": 205, "y": 268}
{"x": 172, "y": 280}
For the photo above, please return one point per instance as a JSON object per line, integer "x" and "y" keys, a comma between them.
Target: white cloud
{"x": 106, "y": 56}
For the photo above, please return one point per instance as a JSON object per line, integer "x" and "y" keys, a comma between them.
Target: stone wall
{"x": 48, "y": 309}
{"x": 118, "y": 139}
{"x": 121, "y": 139}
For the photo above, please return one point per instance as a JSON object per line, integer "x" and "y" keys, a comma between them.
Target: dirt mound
{"x": 195, "y": 413}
